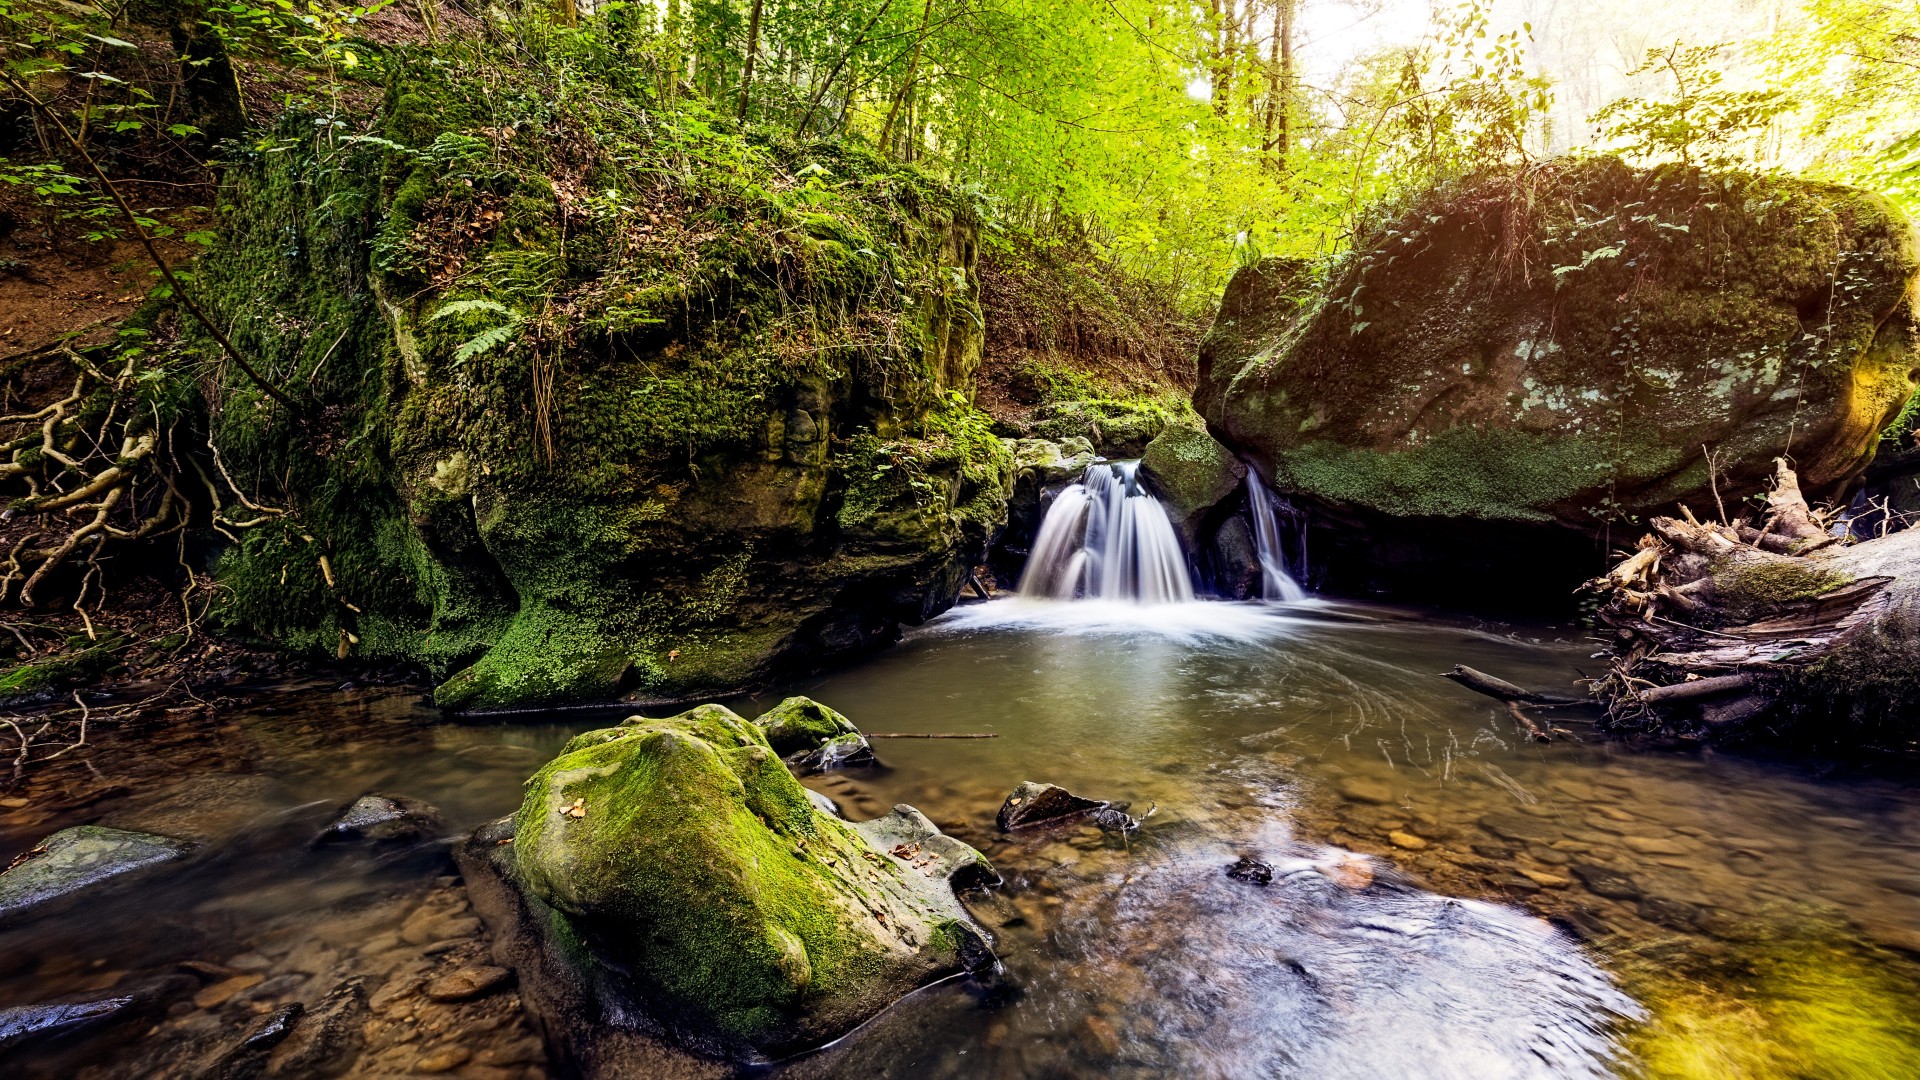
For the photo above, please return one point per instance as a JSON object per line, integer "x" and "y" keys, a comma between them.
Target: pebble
{"x": 468, "y": 983}
{"x": 1406, "y": 840}
{"x": 1608, "y": 883}
{"x": 445, "y": 1059}
{"x": 1545, "y": 881}
{"x": 218, "y": 994}
{"x": 1362, "y": 789}
{"x": 1654, "y": 845}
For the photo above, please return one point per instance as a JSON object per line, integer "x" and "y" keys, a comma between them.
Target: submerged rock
{"x": 80, "y": 858}
{"x": 1034, "y": 804}
{"x": 814, "y": 738}
{"x": 668, "y": 886}
{"x": 1466, "y": 364}
{"x": 384, "y": 820}
{"x": 1252, "y": 870}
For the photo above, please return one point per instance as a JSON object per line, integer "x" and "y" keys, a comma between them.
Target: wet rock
{"x": 248, "y": 1059}
{"x": 671, "y": 900}
{"x": 1670, "y": 913}
{"x": 1406, "y": 841}
{"x": 328, "y": 1041}
{"x": 1194, "y": 476}
{"x": 468, "y": 983}
{"x": 1655, "y": 845}
{"x": 1251, "y": 870}
{"x": 81, "y": 858}
{"x": 1034, "y": 804}
{"x": 1115, "y": 819}
{"x": 1544, "y": 880}
{"x": 381, "y": 819}
{"x": 1608, "y": 883}
{"x": 26, "y": 1024}
{"x": 813, "y": 738}
{"x": 1520, "y": 829}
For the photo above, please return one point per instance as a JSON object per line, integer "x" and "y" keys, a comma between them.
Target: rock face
{"x": 80, "y": 858}
{"x": 1203, "y": 487}
{"x": 1041, "y": 469}
{"x": 1555, "y": 349}
{"x": 669, "y": 887}
{"x": 745, "y": 446}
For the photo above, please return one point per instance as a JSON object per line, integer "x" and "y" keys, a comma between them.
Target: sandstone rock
{"x": 1197, "y": 480}
{"x": 468, "y": 983}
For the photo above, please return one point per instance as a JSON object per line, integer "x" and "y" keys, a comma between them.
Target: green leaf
{"x": 462, "y": 307}
{"x": 485, "y": 340}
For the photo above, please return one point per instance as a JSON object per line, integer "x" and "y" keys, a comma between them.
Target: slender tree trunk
{"x": 753, "y": 46}
{"x": 211, "y": 88}
{"x": 906, "y": 85}
{"x": 1225, "y": 35}
{"x": 820, "y": 94}
{"x": 569, "y": 13}
{"x": 1280, "y": 82}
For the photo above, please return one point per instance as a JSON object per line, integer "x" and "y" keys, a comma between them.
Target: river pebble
{"x": 468, "y": 983}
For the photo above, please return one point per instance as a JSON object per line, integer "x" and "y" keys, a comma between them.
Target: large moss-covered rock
{"x": 700, "y": 884}
{"x": 1556, "y": 347}
{"x": 1196, "y": 478}
{"x": 578, "y": 425}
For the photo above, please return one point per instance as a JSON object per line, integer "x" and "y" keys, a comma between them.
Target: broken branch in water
{"x": 923, "y": 735}
{"x": 1515, "y": 697}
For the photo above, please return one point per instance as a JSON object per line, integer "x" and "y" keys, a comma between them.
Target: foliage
{"x": 1704, "y": 123}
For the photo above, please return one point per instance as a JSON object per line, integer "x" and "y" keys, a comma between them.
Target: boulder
{"x": 813, "y": 738}
{"x": 78, "y": 859}
{"x": 710, "y": 472}
{"x": 1041, "y": 469}
{"x": 1195, "y": 477}
{"x": 384, "y": 820}
{"x": 24, "y": 1024}
{"x": 671, "y": 898}
{"x": 1034, "y": 804}
{"x": 1554, "y": 349}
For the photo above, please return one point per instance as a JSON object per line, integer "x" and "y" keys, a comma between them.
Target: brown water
{"x": 1508, "y": 909}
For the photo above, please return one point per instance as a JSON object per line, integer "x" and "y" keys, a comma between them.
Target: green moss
{"x": 80, "y": 661}
{"x": 801, "y": 723}
{"x": 699, "y": 861}
{"x": 1752, "y": 589}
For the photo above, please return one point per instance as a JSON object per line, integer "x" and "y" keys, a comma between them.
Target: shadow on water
{"x": 1446, "y": 900}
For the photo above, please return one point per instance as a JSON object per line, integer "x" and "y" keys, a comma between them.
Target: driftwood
{"x": 1516, "y": 698}
{"x": 1719, "y": 625}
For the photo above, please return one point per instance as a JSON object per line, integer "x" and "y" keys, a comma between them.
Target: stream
{"x": 1447, "y": 898}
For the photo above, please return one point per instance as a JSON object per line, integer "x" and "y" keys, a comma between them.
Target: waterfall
{"x": 1105, "y": 538}
{"x": 1276, "y": 583}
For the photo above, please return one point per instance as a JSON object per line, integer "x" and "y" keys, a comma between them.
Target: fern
{"x": 485, "y": 340}
{"x": 461, "y": 307}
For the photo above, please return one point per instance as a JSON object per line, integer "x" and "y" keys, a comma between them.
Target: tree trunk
{"x": 906, "y": 85}
{"x": 1225, "y": 27}
{"x": 208, "y": 83}
{"x": 1280, "y": 82}
{"x": 753, "y": 47}
{"x": 1772, "y": 625}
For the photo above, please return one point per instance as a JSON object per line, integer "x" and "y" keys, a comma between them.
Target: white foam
{"x": 1192, "y": 621}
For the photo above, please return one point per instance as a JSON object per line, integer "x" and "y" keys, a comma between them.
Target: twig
{"x": 921, "y": 735}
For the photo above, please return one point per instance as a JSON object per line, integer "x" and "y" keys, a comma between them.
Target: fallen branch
{"x": 1482, "y": 683}
{"x": 922, "y": 735}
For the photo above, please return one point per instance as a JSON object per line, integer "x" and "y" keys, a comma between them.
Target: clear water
{"x": 1437, "y": 908}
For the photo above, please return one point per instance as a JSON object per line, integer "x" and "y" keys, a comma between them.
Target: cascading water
{"x": 1106, "y": 538}
{"x": 1269, "y": 531}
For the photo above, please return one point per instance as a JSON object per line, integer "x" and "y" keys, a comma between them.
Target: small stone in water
{"x": 1608, "y": 883}
{"x": 445, "y": 1059}
{"x": 1406, "y": 840}
{"x": 1251, "y": 869}
{"x": 468, "y": 983}
{"x": 1362, "y": 789}
{"x": 218, "y": 994}
{"x": 1545, "y": 881}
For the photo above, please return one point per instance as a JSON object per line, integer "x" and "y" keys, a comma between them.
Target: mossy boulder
{"x": 699, "y": 884}
{"x": 1556, "y": 346}
{"x": 576, "y": 426}
{"x": 813, "y": 738}
{"x": 1197, "y": 479}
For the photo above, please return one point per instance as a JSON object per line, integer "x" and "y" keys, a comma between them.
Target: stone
{"x": 218, "y": 994}
{"x": 329, "y": 1039}
{"x": 1197, "y": 480}
{"x": 1545, "y": 880}
{"x": 1362, "y": 789}
{"x": 381, "y": 819}
{"x": 1608, "y": 883}
{"x": 24, "y": 1024}
{"x": 1406, "y": 841}
{"x": 1033, "y": 804}
{"x": 1655, "y": 845}
{"x": 1519, "y": 828}
{"x": 79, "y": 859}
{"x": 1251, "y": 870}
{"x": 1452, "y": 390}
{"x": 469, "y": 983}
{"x": 673, "y": 873}
{"x": 443, "y": 1059}
{"x": 813, "y": 738}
